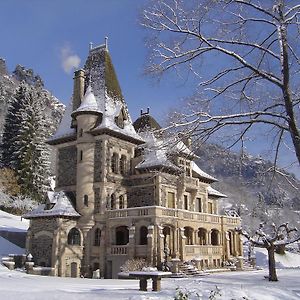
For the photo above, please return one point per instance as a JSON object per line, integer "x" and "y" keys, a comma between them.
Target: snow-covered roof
{"x": 155, "y": 153}
{"x": 212, "y": 192}
{"x": 111, "y": 110}
{"x": 88, "y": 103}
{"x": 64, "y": 129}
{"x": 201, "y": 173}
{"x": 62, "y": 207}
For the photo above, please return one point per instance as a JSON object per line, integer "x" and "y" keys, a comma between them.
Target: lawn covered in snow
{"x": 232, "y": 285}
{"x": 9, "y": 222}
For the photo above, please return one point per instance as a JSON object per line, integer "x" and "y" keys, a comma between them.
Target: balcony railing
{"x": 118, "y": 250}
{"x": 171, "y": 212}
{"x": 203, "y": 250}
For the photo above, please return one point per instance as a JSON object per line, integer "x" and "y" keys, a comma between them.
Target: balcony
{"x": 159, "y": 211}
{"x": 203, "y": 250}
{"x": 118, "y": 250}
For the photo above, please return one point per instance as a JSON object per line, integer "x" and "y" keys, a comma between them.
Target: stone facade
{"x": 132, "y": 201}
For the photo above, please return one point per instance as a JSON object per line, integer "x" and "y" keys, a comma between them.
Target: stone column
{"x": 131, "y": 244}
{"x": 208, "y": 237}
{"x": 182, "y": 239}
{"x": 150, "y": 244}
{"x": 160, "y": 245}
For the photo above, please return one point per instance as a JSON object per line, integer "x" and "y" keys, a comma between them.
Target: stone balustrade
{"x": 203, "y": 250}
{"x": 119, "y": 250}
{"x": 170, "y": 212}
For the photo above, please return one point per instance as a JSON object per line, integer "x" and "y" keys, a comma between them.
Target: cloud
{"x": 69, "y": 60}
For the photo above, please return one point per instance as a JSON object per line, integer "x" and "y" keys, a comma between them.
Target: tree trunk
{"x": 272, "y": 268}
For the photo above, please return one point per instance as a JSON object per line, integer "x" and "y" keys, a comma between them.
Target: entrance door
{"x": 74, "y": 269}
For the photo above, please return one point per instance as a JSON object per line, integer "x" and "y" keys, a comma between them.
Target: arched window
{"x": 188, "y": 232}
{"x": 123, "y": 165}
{"x": 121, "y": 202}
{"x": 86, "y": 200}
{"x": 143, "y": 235}
{"x": 114, "y": 163}
{"x": 202, "y": 233}
{"x": 122, "y": 235}
{"x": 215, "y": 237}
{"x": 74, "y": 237}
{"x": 113, "y": 201}
{"x": 97, "y": 237}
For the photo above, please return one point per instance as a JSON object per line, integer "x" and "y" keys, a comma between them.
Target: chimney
{"x": 78, "y": 90}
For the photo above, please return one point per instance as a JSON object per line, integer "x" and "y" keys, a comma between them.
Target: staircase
{"x": 188, "y": 269}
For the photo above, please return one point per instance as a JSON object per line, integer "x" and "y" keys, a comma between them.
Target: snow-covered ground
{"x": 232, "y": 285}
{"x": 9, "y": 222}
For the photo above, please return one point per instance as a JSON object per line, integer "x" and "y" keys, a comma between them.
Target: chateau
{"x": 124, "y": 191}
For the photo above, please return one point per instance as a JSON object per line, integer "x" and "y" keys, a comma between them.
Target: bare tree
{"x": 275, "y": 236}
{"x": 246, "y": 56}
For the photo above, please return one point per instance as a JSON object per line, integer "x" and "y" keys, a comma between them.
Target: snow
{"x": 9, "y": 222}
{"x": 62, "y": 207}
{"x": 112, "y": 109}
{"x": 232, "y": 285}
{"x": 89, "y": 103}
{"x": 202, "y": 174}
{"x": 287, "y": 260}
{"x": 64, "y": 128}
{"x": 155, "y": 153}
{"x": 212, "y": 192}
{"x": 6, "y": 248}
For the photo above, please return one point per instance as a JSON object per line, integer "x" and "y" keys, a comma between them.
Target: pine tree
{"x": 11, "y": 128}
{"x": 25, "y": 149}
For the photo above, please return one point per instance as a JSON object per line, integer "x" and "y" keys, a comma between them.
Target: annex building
{"x": 124, "y": 191}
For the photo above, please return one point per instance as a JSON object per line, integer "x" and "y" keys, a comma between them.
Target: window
{"x": 171, "y": 200}
{"x": 199, "y": 204}
{"x": 80, "y": 132}
{"x": 74, "y": 237}
{"x": 114, "y": 163}
{"x": 123, "y": 165}
{"x": 188, "y": 232}
{"x": 185, "y": 202}
{"x": 122, "y": 235}
{"x": 86, "y": 200}
{"x": 97, "y": 237}
{"x": 215, "y": 237}
{"x": 210, "y": 208}
{"x": 80, "y": 155}
{"x": 143, "y": 235}
{"x": 121, "y": 202}
{"x": 202, "y": 233}
{"x": 112, "y": 201}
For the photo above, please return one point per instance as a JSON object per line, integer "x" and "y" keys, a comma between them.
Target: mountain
{"x": 253, "y": 190}
{"x": 9, "y": 83}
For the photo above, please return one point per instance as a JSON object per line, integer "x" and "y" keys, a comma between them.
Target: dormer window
{"x": 119, "y": 120}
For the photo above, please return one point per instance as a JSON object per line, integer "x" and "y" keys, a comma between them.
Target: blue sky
{"x": 38, "y": 33}
{"x": 35, "y": 32}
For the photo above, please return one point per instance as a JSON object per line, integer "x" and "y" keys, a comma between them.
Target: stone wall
{"x": 97, "y": 161}
{"x": 67, "y": 161}
{"x": 141, "y": 196}
{"x": 41, "y": 231}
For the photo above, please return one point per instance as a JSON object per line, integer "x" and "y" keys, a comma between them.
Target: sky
{"x": 52, "y": 38}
